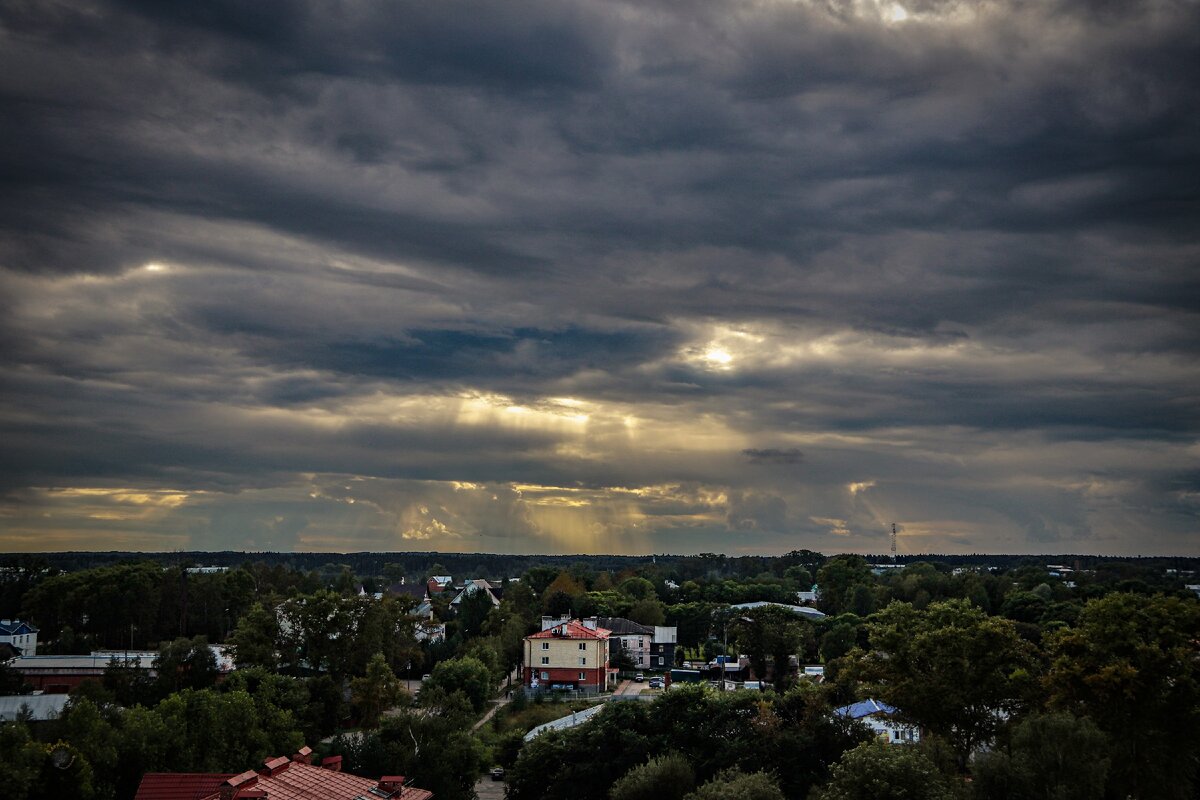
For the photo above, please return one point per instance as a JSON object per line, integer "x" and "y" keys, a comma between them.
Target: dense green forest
{"x": 1026, "y": 682}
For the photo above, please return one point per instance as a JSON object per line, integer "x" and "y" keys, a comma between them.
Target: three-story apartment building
{"x": 569, "y": 654}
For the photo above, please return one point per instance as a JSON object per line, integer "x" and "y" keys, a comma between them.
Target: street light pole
{"x": 725, "y": 655}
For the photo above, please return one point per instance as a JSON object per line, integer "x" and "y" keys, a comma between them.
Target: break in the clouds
{"x": 582, "y": 276}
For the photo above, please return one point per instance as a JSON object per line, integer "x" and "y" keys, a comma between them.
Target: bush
{"x": 735, "y": 785}
{"x": 668, "y": 777}
{"x": 877, "y": 771}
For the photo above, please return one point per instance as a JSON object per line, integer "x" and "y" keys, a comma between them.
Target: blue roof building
{"x": 879, "y": 718}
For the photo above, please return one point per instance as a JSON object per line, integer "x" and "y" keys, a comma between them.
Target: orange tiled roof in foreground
{"x": 180, "y": 785}
{"x": 573, "y": 629}
{"x": 286, "y": 780}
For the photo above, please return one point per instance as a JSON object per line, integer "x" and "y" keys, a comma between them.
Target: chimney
{"x": 391, "y": 783}
{"x": 590, "y": 623}
{"x": 332, "y": 762}
{"x": 303, "y": 755}
{"x": 231, "y": 786}
{"x": 274, "y": 766}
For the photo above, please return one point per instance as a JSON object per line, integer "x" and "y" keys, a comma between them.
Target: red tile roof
{"x": 295, "y": 781}
{"x": 179, "y": 785}
{"x": 304, "y": 782}
{"x": 573, "y": 629}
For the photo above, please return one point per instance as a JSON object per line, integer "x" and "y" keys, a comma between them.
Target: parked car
{"x": 639, "y": 677}
{"x": 497, "y": 773}
{"x": 656, "y": 683}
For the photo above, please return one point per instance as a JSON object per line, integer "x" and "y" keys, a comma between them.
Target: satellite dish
{"x": 61, "y": 756}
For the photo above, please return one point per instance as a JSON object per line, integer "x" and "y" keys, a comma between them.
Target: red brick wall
{"x": 594, "y": 676}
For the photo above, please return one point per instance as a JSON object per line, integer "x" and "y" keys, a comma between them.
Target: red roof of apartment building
{"x": 573, "y": 629}
{"x": 280, "y": 779}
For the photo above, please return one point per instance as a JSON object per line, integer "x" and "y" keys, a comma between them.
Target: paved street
{"x": 488, "y": 789}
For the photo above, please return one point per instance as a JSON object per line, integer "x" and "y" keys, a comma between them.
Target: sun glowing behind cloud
{"x": 718, "y": 357}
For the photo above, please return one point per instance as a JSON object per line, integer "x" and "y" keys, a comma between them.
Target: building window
{"x": 545, "y": 660}
{"x": 545, "y": 645}
{"x": 660, "y": 661}
{"x": 641, "y": 644}
{"x": 583, "y": 645}
{"x": 545, "y": 676}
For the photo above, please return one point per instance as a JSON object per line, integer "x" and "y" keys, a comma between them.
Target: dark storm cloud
{"x": 439, "y": 355}
{"x": 633, "y": 258}
{"x": 773, "y": 455}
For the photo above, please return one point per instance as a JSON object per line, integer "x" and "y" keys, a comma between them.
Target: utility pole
{"x": 893, "y": 543}
{"x": 725, "y": 655}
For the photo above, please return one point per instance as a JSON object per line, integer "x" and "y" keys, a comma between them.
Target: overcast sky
{"x": 581, "y": 276}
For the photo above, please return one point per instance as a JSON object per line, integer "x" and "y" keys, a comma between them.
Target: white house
{"x": 880, "y": 718}
{"x": 634, "y": 637}
{"x": 473, "y": 586}
{"x": 20, "y": 635}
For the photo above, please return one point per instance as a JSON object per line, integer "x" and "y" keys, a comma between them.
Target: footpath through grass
{"x": 504, "y": 734}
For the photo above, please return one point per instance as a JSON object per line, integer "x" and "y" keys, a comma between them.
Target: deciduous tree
{"x": 375, "y": 692}
{"x": 950, "y": 669}
{"x": 775, "y": 633}
{"x": 185, "y": 664}
{"x": 667, "y": 777}
{"x": 255, "y": 639}
{"x": 467, "y": 675}
{"x": 838, "y": 579}
{"x": 1130, "y": 664}
{"x": 1050, "y": 757}
{"x": 876, "y": 771}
